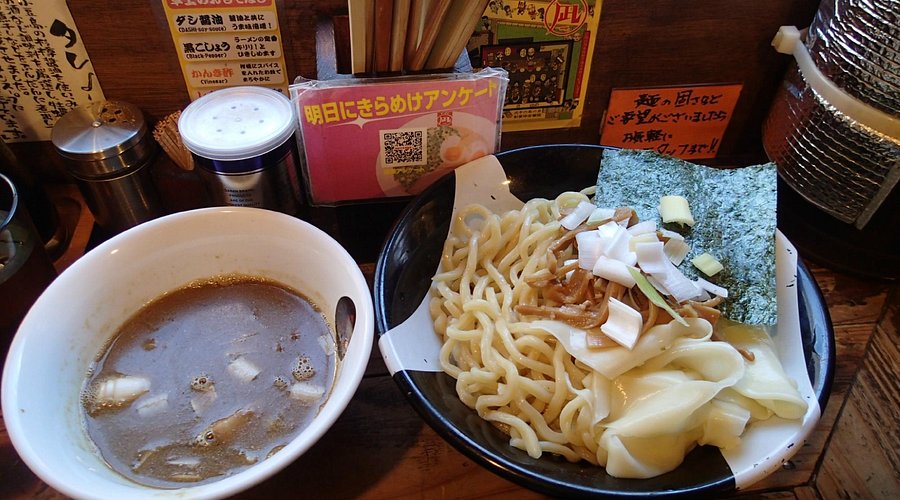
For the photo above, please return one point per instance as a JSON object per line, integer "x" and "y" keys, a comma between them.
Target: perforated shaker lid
{"x": 237, "y": 123}
{"x": 102, "y": 137}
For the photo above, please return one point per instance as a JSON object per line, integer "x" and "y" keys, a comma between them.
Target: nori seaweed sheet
{"x": 735, "y": 218}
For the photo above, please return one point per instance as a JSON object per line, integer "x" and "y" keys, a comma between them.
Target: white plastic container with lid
{"x": 242, "y": 138}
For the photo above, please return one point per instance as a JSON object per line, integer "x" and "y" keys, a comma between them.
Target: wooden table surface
{"x": 380, "y": 448}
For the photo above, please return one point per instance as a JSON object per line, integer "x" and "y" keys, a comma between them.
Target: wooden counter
{"x": 380, "y": 448}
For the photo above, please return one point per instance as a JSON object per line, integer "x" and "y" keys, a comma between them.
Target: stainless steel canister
{"x": 243, "y": 142}
{"x": 109, "y": 151}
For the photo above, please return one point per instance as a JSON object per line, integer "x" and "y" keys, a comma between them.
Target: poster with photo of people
{"x": 546, "y": 48}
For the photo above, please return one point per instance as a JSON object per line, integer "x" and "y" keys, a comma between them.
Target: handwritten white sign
{"x": 44, "y": 68}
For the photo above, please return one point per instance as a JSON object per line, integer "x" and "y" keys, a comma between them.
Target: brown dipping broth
{"x": 201, "y": 420}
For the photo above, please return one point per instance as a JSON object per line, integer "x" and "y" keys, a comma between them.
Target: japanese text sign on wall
{"x": 227, "y": 44}
{"x": 685, "y": 122}
{"x": 44, "y": 68}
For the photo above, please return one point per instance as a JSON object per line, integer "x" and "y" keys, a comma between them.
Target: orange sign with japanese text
{"x": 685, "y": 122}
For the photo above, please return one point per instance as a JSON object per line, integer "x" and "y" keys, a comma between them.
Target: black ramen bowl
{"x": 405, "y": 266}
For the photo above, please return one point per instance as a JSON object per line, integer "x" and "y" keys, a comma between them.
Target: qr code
{"x": 404, "y": 147}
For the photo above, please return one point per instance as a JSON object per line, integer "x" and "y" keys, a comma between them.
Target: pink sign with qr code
{"x": 365, "y": 139}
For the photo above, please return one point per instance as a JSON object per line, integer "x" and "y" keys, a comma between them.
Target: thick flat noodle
{"x": 614, "y": 361}
{"x": 724, "y": 424}
{"x": 600, "y": 389}
{"x": 675, "y": 408}
{"x": 757, "y": 411}
{"x": 671, "y": 400}
{"x": 641, "y": 458}
{"x": 596, "y": 395}
{"x": 764, "y": 379}
{"x": 639, "y": 391}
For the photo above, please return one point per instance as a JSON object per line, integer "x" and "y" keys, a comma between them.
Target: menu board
{"x": 684, "y": 122}
{"x": 45, "y": 70}
{"x": 546, "y": 48}
{"x": 227, "y": 44}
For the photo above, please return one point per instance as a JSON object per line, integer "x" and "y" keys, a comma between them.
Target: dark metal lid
{"x": 103, "y": 137}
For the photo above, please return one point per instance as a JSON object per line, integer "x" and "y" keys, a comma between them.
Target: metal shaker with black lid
{"x": 110, "y": 152}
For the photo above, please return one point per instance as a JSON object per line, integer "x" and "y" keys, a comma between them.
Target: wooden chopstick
{"x": 463, "y": 17}
{"x": 370, "y": 36}
{"x": 465, "y": 33}
{"x": 433, "y": 22}
{"x": 359, "y": 25}
{"x": 399, "y": 28}
{"x": 411, "y": 35}
{"x": 413, "y": 31}
{"x": 384, "y": 12}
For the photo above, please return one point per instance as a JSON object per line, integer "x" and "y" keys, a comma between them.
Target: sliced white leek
{"x": 641, "y": 238}
{"x": 600, "y": 215}
{"x": 589, "y": 248}
{"x": 707, "y": 264}
{"x": 651, "y": 289}
{"x": 651, "y": 257}
{"x": 120, "y": 390}
{"x": 582, "y": 211}
{"x": 712, "y": 288}
{"x": 675, "y": 208}
{"x": 656, "y": 285}
{"x": 676, "y": 250}
{"x": 306, "y": 392}
{"x": 613, "y": 270}
{"x": 153, "y": 405}
{"x": 609, "y": 229}
{"x": 243, "y": 369}
{"x": 202, "y": 401}
{"x": 643, "y": 227}
{"x": 624, "y": 324}
{"x": 672, "y": 235}
{"x": 677, "y": 284}
{"x": 615, "y": 242}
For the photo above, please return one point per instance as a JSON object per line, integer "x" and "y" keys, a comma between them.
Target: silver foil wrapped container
{"x": 832, "y": 127}
{"x": 835, "y": 163}
{"x": 857, "y": 45}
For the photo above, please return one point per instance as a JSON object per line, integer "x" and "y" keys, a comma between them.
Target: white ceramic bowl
{"x": 68, "y": 325}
